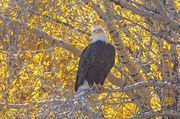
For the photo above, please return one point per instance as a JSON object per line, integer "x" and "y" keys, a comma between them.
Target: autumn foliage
{"x": 40, "y": 45}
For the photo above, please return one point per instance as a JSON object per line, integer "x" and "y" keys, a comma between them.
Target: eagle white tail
{"x": 82, "y": 89}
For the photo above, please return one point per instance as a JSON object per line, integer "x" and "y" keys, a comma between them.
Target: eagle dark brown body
{"x": 95, "y": 63}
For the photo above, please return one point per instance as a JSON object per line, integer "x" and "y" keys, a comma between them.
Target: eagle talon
{"x": 97, "y": 87}
{"x": 100, "y": 87}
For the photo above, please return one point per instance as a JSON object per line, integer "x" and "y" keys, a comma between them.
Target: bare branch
{"x": 150, "y": 14}
{"x": 156, "y": 113}
{"x": 160, "y": 34}
{"x": 150, "y": 82}
{"x": 16, "y": 106}
{"x": 64, "y": 23}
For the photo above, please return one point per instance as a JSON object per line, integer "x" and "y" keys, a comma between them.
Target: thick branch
{"x": 146, "y": 83}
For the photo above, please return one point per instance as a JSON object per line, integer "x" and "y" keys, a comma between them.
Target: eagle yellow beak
{"x": 97, "y": 31}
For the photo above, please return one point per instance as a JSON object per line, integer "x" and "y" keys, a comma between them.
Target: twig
{"x": 156, "y": 113}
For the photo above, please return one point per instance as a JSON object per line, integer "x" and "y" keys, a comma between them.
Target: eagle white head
{"x": 98, "y": 33}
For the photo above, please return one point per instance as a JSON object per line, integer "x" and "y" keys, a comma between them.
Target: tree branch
{"x": 156, "y": 113}
{"x": 150, "y": 14}
{"x": 16, "y": 106}
{"x": 150, "y": 82}
{"x": 61, "y": 22}
{"x": 160, "y": 34}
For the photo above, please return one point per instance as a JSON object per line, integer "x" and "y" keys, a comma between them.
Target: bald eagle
{"x": 96, "y": 61}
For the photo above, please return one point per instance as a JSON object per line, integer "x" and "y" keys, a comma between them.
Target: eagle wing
{"x": 86, "y": 60}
